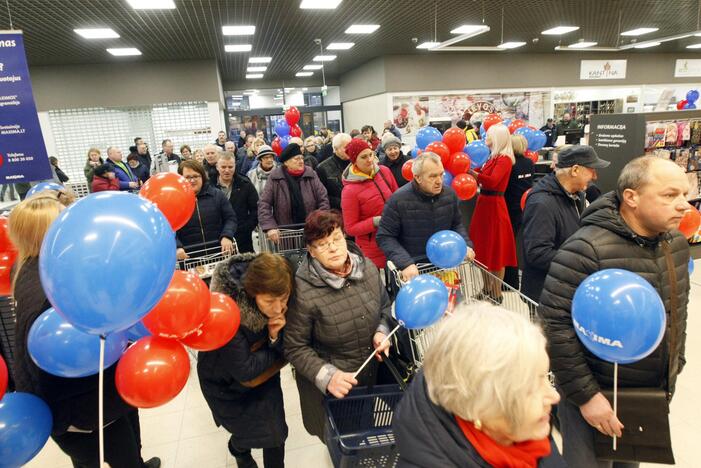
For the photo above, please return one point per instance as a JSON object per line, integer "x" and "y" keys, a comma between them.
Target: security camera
{"x": 414, "y": 40}
{"x": 317, "y": 41}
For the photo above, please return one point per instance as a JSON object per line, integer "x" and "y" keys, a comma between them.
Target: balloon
{"x": 219, "y": 327}
{"x": 107, "y": 260}
{"x": 295, "y": 131}
{"x": 25, "y": 426}
{"x": 4, "y": 376}
{"x": 173, "y": 195}
{"x": 5, "y": 243}
{"x": 421, "y": 302}
{"x": 427, "y": 135}
{"x": 446, "y": 249}
{"x": 691, "y": 270}
{"x": 465, "y": 186}
{"x": 690, "y": 223}
{"x": 284, "y": 141}
{"x": 60, "y": 349}
{"x": 137, "y": 331}
{"x": 618, "y": 316}
{"x": 539, "y": 139}
{"x": 527, "y": 133}
{"x": 524, "y": 197}
{"x": 292, "y": 117}
{"x": 441, "y": 150}
{"x": 483, "y": 133}
{"x": 276, "y": 146}
{"x": 507, "y": 122}
{"x": 7, "y": 259}
{"x": 182, "y": 309}
{"x": 532, "y": 155}
{"x": 690, "y": 105}
{"x": 478, "y": 152}
{"x": 692, "y": 96}
{"x": 282, "y": 128}
{"x": 455, "y": 139}
{"x": 459, "y": 163}
{"x": 681, "y": 104}
{"x": 447, "y": 178}
{"x": 489, "y": 120}
{"x": 416, "y": 152}
{"x": 516, "y": 124}
{"x": 152, "y": 372}
{"x": 406, "y": 170}
{"x": 41, "y": 186}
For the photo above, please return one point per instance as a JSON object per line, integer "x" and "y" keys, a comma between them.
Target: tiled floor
{"x": 183, "y": 434}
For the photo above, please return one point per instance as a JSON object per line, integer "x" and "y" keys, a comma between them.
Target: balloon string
{"x": 615, "y": 397}
{"x": 373, "y": 353}
{"x": 101, "y": 402}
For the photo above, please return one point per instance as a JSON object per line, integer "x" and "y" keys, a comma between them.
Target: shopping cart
{"x": 291, "y": 240}
{"x": 204, "y": 258}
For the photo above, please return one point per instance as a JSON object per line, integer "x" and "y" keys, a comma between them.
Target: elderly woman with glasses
{"x": 483, "y": 397}
{"x": 339, "y": 316}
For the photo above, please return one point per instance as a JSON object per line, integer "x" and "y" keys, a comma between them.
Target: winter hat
{"x": 290, "y": 151}
{"x": 355, "y": 147}
{"x": 388, "y": 139}
{"x": 103, "y": 169}
{"x": 265, "y": 150}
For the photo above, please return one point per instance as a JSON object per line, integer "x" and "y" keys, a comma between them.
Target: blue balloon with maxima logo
{"x": 618, "y": 316}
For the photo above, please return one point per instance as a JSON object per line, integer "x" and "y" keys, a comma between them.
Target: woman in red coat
{"x": 366, "y": 188}
{"x": 104, "y": 179}
{"x": 490, "y": 227}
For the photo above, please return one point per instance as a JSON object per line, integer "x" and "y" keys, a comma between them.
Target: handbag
{"x": 644, "y": 411}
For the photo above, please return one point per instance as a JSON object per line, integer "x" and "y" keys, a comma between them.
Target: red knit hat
{"x": 355, "y": 147}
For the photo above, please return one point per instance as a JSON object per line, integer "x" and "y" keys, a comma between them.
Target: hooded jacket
{"x": 605, "y": 241}
{"x": 550, "y": 217}
{"x": 212, "y": 220}
{"x": 102, "y": 184}
{"x": 396, "y": 167}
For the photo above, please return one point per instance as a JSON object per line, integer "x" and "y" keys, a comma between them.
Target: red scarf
{"x": 295, "y": 173}
{"x": 519, "y": 455}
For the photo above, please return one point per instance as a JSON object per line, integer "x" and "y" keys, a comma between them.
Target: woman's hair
{"x": 185, "y": 147}
{"x": 500, "y": 138}
{"x": 194, "y": 165}
{"x": 519, "y": 144}
{"x": 320, "y": 224}
{"x": 268, "y": 274}
{"x": 308, "y": 140}
{"x": 255, "y": 146}
{"x": 484, "y": 363}
{"x": 94, "y": 150}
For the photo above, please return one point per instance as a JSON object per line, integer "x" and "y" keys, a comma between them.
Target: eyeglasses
{"x": 193, "y": 178}
{"x": 337, "y": 241}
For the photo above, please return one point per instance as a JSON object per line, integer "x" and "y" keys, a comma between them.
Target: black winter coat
{"x": 605, "y": 241}
{"x": 244, "y": 201}
{"x": 212, "y": 220}
{"x": 330, "y": 173}
{"x": 73, "y": 402}
{"x": 396, "y": 167}
{"x": 551, "y": 216}
{"x": 212, "y": 172}
{"x": 520, "y": 180}
{"x": 410, "y": 217}
{"x": 429, "y": 436}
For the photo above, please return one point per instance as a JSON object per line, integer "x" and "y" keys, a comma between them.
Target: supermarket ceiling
{"x": 285, "y": 32}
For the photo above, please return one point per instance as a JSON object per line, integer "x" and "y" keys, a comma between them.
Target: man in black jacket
{"x": 211, "y": 155}
{"x": 552, "y": 213}
{"x": 635, "y": 229}
{"x": 243, "y": 197}
{"x": 330, "y": 171}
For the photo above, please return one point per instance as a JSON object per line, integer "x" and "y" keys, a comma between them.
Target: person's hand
{"x": 273, "y": 235}
{"x": 381, "y": 348}
{"x": 470, "y": 254}
{"x": 275, "y": 324}
{"x": 133, "y": 185}
{"x": 410, "y": 272}
{"x": 341, "y": 383}
{"x": 599, "y": 414}
{"x": 180, "y": 254}
{"x": 227, "y": 246}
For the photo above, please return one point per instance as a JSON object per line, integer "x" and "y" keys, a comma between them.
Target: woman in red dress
{"x": 490, "y": 228}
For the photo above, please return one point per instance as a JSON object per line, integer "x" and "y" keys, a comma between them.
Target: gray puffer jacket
{"x": 605, "y": 241}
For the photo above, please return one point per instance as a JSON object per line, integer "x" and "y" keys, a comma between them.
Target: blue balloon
{"x": 483, "y": 133}
{"x": 414, "y": 153}
{"x": 106, "y": 261}
{"x": 138, "y": 331}
{"x": 507, "y": 122}
{"x": 54, "y": 343}
{"x": 539, "y": 139}
{"x": 691, "y": 265}
{"x": 689, "y": 105}
{"x": 447, "y": 177}
{"x": 526, "y": 132}
{"x": 282, "y": 128}
{"x": 446, "y": 249}
{"x": 618, "y": 316}
{"x": 284, "y": 141}
{"x": 692, "y": 96}
{"x": 25, "y": 426}
{"x": 478, "y": 151}
{"x": 427, "y": 135}
{"x": 421, "y": 302}
{"x": 41, "y": 186}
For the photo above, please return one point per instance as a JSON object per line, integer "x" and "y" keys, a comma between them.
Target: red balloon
{"x": 532, "y": 155}
{"x": 152, "y": 372}
{"x": 681, "y": 104}
{"x": 442, "y": 150}
{"x": 459, "y": 163}
{"x": 295, "y": 131}
{"x": 3, "y": 377}
{"x": 406, "y": 170}
{"x": 691, "y": 222}
{"x": 219, "y": 327}
{"x": 524, "y": 197}
{"x": 516, "y": 124}
{"x": 455, "y": 140}
{"x": 7, "y": 259}
{"x": 5, "y": 243}
{"x": 173, "y": 195}
{"x": 292, "y": 117}
{"x": 465, "y": 186}
{"x": 275, "y": 145}
{"x": 489, "y": 120}
{"x": 182, "y": 309}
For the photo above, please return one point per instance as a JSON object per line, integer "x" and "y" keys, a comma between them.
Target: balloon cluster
{"x": 690, "y": 102}
{"x": 286, "y": 129}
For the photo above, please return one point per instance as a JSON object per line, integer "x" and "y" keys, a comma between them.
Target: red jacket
{"x": 361, "y": 200}
{"x": 100, "y": 184}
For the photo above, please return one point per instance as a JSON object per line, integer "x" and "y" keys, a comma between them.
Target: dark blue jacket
{"x": 212, "y": 220}
{"x": 244, "y": 201}
{"x": 141, "y": 172}
{"x": 124, "y": 176}
{"x": 551, "y": 216}
{"x": 410, "y": 217}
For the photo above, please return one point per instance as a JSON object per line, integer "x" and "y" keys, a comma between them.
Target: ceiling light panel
{"x": 639, "y": 31}
{"x": 428, "y": 45}
{"x": 511, "y": 45}
{"x": 470, "y": 29}
{"x": 300, "y": 74}
{"x": 260, "y": 59}
{"x": 97, "y": 33}
{"x": 582, "y": 45}
{"x": 340, "y": 46}
{"x": 559, "y": 30}
{"x": 362, "y": 28}
{"x": 238, "y": 30}
{"x": 237, "y": 47}
{"x": 647, "y": 45}
{"x": 324, "y": 58}
{"x": 254, "y": 76}
{"x": 152, "y": 4}
{"x": 694, "y": 46}
{"x": 313, "y": 67}
{"x": 256, "y": 69}
{"x": 319, "y": 4}
{"x": 124, "y": 51}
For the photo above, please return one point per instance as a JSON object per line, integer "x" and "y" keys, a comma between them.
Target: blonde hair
{"x": 483, "y": 364}
{"x": 500, "y": 139}
{"x": 94, "y": 150}
{"x": 519, "y": 144}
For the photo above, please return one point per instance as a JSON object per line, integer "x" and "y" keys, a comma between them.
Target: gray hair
{"x": 418, "y": 165}
{"x": 226, "y": 156}
{"x": 339, "y": 140}
{"x": 110, "y": 149}
{"x": 636, "y": 174}
{"x": 211, "y": 146}
{"x": 483, "y": 363}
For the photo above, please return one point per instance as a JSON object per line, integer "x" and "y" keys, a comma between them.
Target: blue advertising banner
{"x": 23, "y": 155}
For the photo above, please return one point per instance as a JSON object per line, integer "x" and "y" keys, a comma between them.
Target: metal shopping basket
{"x": 204, "y": 258}
{"x": 291, "y": 240}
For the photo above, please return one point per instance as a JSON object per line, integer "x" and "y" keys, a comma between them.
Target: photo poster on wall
{"x": 23, "y": 156}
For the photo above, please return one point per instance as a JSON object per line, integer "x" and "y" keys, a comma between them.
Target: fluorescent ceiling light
{"x": 639, "y": 31}
{"x": 304, "y": 74}
{"x": 304, "y": 89}
{"x": 124, "y": 51}
{"x": 237, "y": 96}
{"x": 694, "y": 46}
{"x": 319, "y": 4}
{"x": 151, "y": 4}
{"x": 428, "y": 45}
{"x": 237, "y": 47}
{"x": 324, "y": 58}
{"x": 362, "y": 28}
{"x": 559, "y": 30}
{"x": 254, "y": 76}
{"x": 511, "y": 45}
{"x": 647, "y": 44}
{"x": 287, "y": 90}
{"x": 97, "y": 33}
{"x": 582, "y": 45}
{"x": 260, "y": 59}
{"x": 340, "y": 46}
{"x": 238, "y": 30}
{"x": 313, "y": 67}
{"x": 250, "y": 93}
{"x": 256, "y": 69}
{"x": 469, "y": 29}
